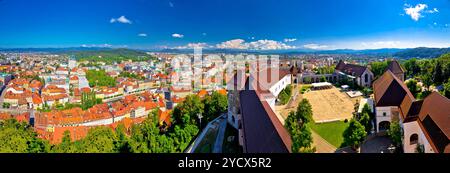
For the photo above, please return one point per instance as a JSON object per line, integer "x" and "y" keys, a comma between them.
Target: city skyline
{"x": 254, "y": 25}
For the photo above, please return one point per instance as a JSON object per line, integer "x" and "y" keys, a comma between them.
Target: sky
{"x": 228, "y": 24}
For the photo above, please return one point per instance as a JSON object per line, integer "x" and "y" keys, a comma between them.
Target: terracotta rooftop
{"x": 435, "y": 119}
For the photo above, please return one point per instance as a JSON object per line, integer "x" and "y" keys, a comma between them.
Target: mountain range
{"x": 420, "y": 52}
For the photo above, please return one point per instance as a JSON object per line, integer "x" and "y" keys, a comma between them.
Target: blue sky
{"x": 241, "y": 24}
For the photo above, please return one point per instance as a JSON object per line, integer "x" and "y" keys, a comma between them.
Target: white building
{"x": 425, "y": 123}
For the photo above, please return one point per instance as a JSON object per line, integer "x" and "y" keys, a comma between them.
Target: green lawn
{"x": 332, "y": 131}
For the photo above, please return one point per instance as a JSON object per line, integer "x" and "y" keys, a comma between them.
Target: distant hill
{"x": 107, "y": 53}
{"x": 421, "y": 52}
{"x": 83, "y": 52}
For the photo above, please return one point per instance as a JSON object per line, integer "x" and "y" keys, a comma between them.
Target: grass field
{"x": 332, "y": 131}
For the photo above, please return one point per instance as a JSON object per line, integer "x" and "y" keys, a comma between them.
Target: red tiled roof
{"x": 202, "y": 93}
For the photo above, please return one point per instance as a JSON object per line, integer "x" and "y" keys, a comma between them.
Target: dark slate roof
{"x": 413, "y": 112}
{"x": 340, "y": 66}
{"x": 260, "y": 133}
{"x": 395, "y": 67}
{"x": 435, "y": 119}
{"x": 439, "y": 139}
{"x": 350, "y": 69}
{"x": 390, "y": 91}
{"x": 263, "y": 131}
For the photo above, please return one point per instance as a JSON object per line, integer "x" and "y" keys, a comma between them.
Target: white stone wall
{"x": 369, "y": 80}
{"x": 380, "y": 116}
{"x": 280, "y": 85}
{"x": 409, "y": 129}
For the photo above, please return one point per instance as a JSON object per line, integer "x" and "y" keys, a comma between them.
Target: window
{"x": 366, "y": 78}
{"x": 384, "y": 114}
{"x": 413, "y": 139}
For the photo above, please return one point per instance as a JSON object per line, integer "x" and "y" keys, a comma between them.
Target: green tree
{"x": 354, "y": 135}
{"x": 446, "y": 91}
{"x": 66, "y": 145}
{"x": 187, "y": 112}
{"x": 438, "y": 77}
{"x": 395, "y": 133}
{"x": 413, "y": 87}
{"x": 18, "y": 137}
{"x": 367, "y": 91}
{"x": 123, "y": 142}
{"x": 304, "y": 112}
{"x": 100, "y": 78}
{"x": 412, "y": 67}
{"x": 300, "y": 134}
{"x": 427, "y": 80}
{"x": 214, "y": 105}
{"x": 378, "y": 68}
{"x": 100, "y": 140}
{"x": 323, "y": 79}
{"x": 365, "y": 120}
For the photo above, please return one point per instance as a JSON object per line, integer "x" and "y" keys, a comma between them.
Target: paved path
{"x": 322, "y": 146}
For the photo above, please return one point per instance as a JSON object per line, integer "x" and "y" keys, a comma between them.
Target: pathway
{"x": 322, "y": 146}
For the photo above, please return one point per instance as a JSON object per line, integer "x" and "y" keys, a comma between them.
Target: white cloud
{"x": 171, "y": 4}
{"x": 175, "y": 35}
{"x": 121, "y": 19}
{"x": 97, "y": 45}
{"x": 416, "y": 12}
{"x": 255, "y": 45}
{"x": 315, "y": 46}
{"x": 268, "y": 45}
{"x": 204, "y": 34}
{"x": 142, "y": 35}
{"x": 194, "y": 46}
{"x": 290, "y": 40}
{"x": 232, "y": 44}
{"x": 435, "y": 10}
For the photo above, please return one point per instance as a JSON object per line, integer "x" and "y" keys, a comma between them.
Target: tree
{"x": 187, "y": 112}
{"x": 367, "y": 91}
{"x": 100, "y": 140}
{"x": 446, "y": 91}
{"x": 300, "y": 135}
{"x": 412, "y": 68}
{"x": 18, "y": 137}
{"x": 302, "y": 140}
{"x": 285, "y": 95}
{"x": 123, "y": 142}
{"x": 66, "y": 145}
{"x": 395, "y": 133}
{"x": 214, "y": 105}
{"x": 354, "y": 135}
{"x": 100, "y": 78}
{"x": 413, "y": 87}
{"x": 427, "y": 80}
{"x": 307, "y": 80}
{"x": 323, "y": 79}
{"x": 365, "y": 120}
{"x": 6, "y": 105}
{"x": 304, "y": 112}
{"x": 438, "y": 77}
{"x": 183, "y": 137}
{"x": 378, "y": 68}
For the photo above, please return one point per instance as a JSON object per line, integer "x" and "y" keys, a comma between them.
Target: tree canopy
{"x": 16, "y": 137}
{"x": 296, "y": 124}
{"x": 355, "y": 134}
{"x": 100, "y": 78}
